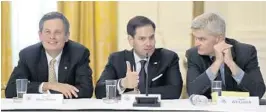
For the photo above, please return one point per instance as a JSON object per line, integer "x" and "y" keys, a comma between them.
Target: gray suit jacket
{"x": 244, "y": 55}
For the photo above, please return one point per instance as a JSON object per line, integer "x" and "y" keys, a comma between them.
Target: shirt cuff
{"x": 239, "y": 75}
{"x": 119, "y": 88}
{"x": 40, "y": 88}
{"x": 211, "y": 75}
{"x": 41, "y": 91}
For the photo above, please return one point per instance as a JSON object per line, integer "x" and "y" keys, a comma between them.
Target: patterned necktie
{"x": 142, "y": 75}
{"x": 52, "y": 75}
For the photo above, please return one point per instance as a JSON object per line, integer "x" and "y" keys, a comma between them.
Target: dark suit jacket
{"x": 73, "y": 69}
{"x": 169, "y": 85}
{"x": 244, "y": 55}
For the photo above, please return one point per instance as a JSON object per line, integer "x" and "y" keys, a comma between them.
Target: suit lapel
{"x": 208, "y": 60}
{"x": 154, "y": 63}
{"x": 130, "y": 57}
{"x": 42, "y": 66}
{"x": 64, "y": 66}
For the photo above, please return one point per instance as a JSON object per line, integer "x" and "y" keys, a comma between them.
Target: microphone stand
{"x": 146, "y": 101}
{"x": 147, "y": 78}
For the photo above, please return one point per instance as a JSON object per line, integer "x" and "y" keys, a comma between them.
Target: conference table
{"x": 99, "y": 104}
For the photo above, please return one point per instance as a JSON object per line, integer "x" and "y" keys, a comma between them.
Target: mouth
{"x": 52, "y": 43}
{"x": 148, "y": 49}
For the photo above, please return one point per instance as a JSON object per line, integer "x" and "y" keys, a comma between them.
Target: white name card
{"x": 238, "y": 101}
{"x": 43, "y": 98}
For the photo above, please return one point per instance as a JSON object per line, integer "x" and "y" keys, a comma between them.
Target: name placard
{"x": 238, "y": 101}
{"x": 43, "y": 98}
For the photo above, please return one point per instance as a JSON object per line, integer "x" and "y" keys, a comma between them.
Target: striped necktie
{"x": 52, "y": 75}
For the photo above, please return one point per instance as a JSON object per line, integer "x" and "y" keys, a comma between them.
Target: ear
{"x": 40, "y": 35}
{"x": 130, "y": 40}
{"x": 220, "y": 38}
{"x": 67, "y": 37}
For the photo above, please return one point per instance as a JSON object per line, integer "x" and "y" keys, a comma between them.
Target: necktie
{"x": 142, "y": 75}
{"x": 52, "y": 75}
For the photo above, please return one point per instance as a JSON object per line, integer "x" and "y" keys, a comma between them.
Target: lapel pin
{"x": 155, "y": 63}
{"x": 65, "y": 68}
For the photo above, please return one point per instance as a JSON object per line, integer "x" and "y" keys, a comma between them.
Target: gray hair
{"x": 211, "y": 22}
{"x": 55, "y": 15}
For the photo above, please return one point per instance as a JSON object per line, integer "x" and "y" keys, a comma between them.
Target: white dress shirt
{"x": 56, "y": 66}
{"x": 138, "y": 68}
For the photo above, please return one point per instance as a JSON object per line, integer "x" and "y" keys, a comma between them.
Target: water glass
{"x": 217, "y": 87}
{"x": 21, "y": 87}
{"x": 110, "y": 91}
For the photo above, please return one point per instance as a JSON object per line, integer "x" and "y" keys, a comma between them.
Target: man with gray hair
{"x": 54, "y": 65}
{"x": 216, "y": 57}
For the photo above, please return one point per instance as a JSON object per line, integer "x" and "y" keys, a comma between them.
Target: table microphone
{"x": 147, "y": 101}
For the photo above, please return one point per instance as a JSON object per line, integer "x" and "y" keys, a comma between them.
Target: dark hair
{"x": 138, "y": 21}
{"x": 54, "y": 15}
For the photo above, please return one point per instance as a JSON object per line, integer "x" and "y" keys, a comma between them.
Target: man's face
{"x": 53, "y": 35}
{"x": 205, "y": 42}
{"x": 144, "y": 41}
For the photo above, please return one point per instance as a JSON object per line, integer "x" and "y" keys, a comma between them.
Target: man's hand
{"x": 228, "y": 60}
{"x": 67, "y": 90}
{"x": 218, "y": 49}
{"x": 132, "y": 78}
{"x": 219, "y": 56}
{"x": 228, "y": 57}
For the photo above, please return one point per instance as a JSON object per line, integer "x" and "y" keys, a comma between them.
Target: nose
{"x": 52, "y": 36}
{"x": 197, "y": 42}
{"x": 148, "y": 42}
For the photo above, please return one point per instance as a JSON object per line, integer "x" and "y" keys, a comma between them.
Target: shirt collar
{"x": 57, "y": 58}
{"x": 138, "y": 59}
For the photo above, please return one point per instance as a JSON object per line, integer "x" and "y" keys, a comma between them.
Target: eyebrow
{"x": 152, "y": 35}
{"x": 148, "y": 37}
{"x": 200, "y": 37}
{"x": 142, "y": 36}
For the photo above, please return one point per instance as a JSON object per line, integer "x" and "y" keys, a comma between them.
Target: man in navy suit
{"x": 54, "y": 65}
{"x": 129, "y": 68}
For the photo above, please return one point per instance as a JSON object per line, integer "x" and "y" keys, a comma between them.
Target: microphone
{"x": 146, "y": 100}
{"x": 147, "y": 78}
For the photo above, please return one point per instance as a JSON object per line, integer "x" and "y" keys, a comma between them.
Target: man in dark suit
{"x": 56, "y": 64}
{"x": 216, "y": 57}
{"x": 129, "y": 68}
